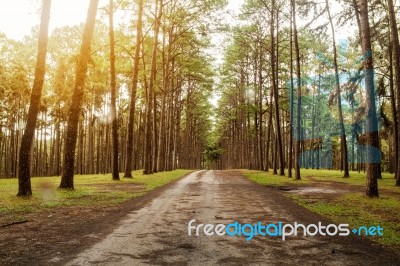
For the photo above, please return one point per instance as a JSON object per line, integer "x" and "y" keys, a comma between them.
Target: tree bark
{"x": 75, "y": 110}
{"x": 343, "y": 142}
{"x": 372, "y": 138}
{"x": 24, "y": 167}
{"x": 276, "y": 95}
{"x": 298, "y": 113}
{"x": 131, "y": 122}
{"x": 290, "y": 163}
{"x": 396, "y": 60}
{"x": 357, "y": 14}
{"x": 148, "y": 156}
{"x": 114, "y": 114}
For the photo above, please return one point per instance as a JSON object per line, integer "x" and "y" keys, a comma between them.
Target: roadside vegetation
{"x": 344, "y": 203}
{"x": 90, "y": 191}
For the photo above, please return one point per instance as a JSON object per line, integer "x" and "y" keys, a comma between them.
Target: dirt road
{"x": 157, "y": 234}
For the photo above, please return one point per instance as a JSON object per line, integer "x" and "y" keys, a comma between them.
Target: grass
{"x": 358, "y": 210}
{"x": 90, "y": 190}
{"x": 353, "y": 208}
{"x": 268, "y": 179}
{"x": 356, "y": 178}
{"x": 311, "y": 175}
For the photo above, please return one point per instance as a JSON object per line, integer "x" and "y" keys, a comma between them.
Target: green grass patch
{"x": 268, "y": 179}
{"x": 308, "y": 176}
{"x": 356, "y": 178}
{"x": 352, "y": 208}
{"x": 90, "y": 190}
{"x": 359, "y": 210}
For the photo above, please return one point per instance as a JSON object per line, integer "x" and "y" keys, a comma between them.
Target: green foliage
{"x": 212, "y": 154}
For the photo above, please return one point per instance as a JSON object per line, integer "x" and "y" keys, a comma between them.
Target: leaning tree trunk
{"x": 24, "y": 167}
{"x": 343, "y": 143}
{"x": 114, "y": 115}
{"x": 396, "y": 61}
{"x": 372, "y": 137}
{"x": 75, "y": 110}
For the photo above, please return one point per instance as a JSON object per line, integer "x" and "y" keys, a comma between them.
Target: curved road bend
{"x": 157, "y": 234}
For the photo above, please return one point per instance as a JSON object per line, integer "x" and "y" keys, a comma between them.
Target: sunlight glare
{"x": 19, "y": 16}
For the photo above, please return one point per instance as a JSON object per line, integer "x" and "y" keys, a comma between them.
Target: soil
{"x": 53, "y": 236}
{"x": 152, "y": 229}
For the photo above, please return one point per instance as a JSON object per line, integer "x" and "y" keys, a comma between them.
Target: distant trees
{"x": 255, "y": 126}
{"x": 78, "y": 134}
{"x": 316, "y": 74}
{"x": 289, "y": 97}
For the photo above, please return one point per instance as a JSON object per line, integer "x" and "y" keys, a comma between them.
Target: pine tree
{"x": 75, "y": 110}
{"x": 24, "y": 167}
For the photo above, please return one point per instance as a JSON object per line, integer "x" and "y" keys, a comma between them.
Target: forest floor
{"x": 153, "y": 229}
{"x": 54, "y": 224}
{"x": 341, "y": 199}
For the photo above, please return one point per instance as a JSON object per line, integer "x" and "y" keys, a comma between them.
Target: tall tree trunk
{"x": 114, "y": 114}
{"x": 372, "y": 138}
{"x": 162, "y": 135}
{"x": 148, "y": 156}
{"x": 276, "y": 95}
{"x": 260, "y": 111}
{"x": 75, "y": 110}
{"x": 269, "y": 131}
{"x": 291, "y": 102}
{"x": 343, "y": 142}
{"x": 24, "y": 170}
{"x": 57, "y": 168}
{"x": 131, "y": 120}
{"x": 394, "y": 114}
{"x": 396, "y": 60}
{"x": 298, "y": 112}
{"x": 155, "y": 135}
{"x": 357, "y": 14}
